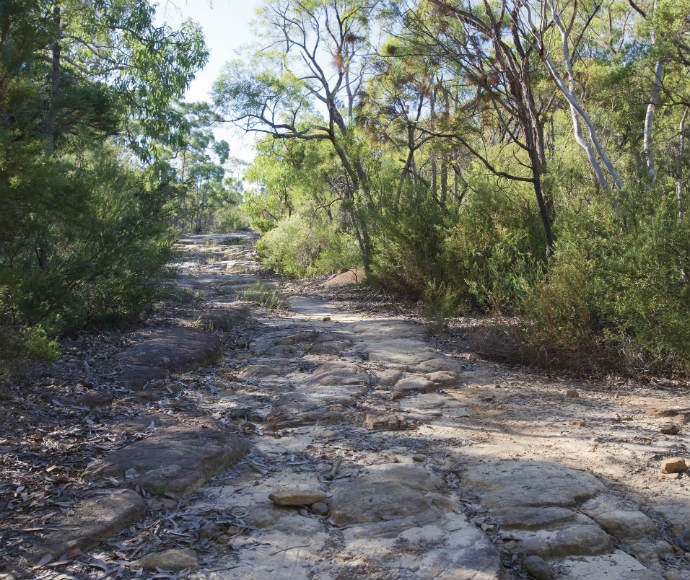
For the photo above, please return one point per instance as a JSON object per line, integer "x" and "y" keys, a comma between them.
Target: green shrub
{"x": 299, "y": 247}
{"x": 409, "y": 246}
{"x": 103, "y": 249}
{"x": 495, "y": 250}
{"x": 229, "y": 219}
{"x": 623, "y": 292}
{"x": 484, "y": 256}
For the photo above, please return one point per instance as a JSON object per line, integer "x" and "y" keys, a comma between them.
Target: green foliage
{"x": 85, "y": 90}
{"x": 302, "y": 247}
{"x": 265, "y": 296}
{"x": 29, "y": 343}
{"x": 482, "y": 257}
{"x": 100, "y": 256}
{"x": 494, "y": 250}
{"x": 627, "y": 292}
{"x": 409, "y": 246}
{"x": 228, "y": 219}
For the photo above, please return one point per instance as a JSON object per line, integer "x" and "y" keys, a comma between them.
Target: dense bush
{"x": 302, "y": 247}
{"x": 624, "y": 292}
{"x": 495, "y": 249}
{"x": 99, "y": 257}
{"x": 409, "y": 243}
{"x": 483, "y": 255}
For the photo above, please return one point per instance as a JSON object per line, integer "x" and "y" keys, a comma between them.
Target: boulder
{"x": 345, "y": 278}
{"x": 164, "y": 350}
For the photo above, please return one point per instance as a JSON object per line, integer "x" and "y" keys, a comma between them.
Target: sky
{"x": 226, "y": 27}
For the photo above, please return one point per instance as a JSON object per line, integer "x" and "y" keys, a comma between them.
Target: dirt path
{"x": 366, "y": 453}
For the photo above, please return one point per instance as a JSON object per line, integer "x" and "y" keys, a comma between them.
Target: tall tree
{"x": 306, "y": 84}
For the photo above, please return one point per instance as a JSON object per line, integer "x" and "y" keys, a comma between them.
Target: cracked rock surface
{"x": 368, "y": 452}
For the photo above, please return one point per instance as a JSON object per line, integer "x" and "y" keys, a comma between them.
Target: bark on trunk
{"x": 651, "y": 109}
{"x": 679, "y": 167}
{"x": 54, "y": 84}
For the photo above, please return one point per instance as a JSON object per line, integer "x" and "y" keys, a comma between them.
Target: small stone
{"x": 320, "y": 508}
{"x": 674, "y": 465}
{"x": 572, "y": 394}
{"x": 418, "y": 458}
{"x": 538, "y": 568}
{"x": 174, "y": 559}
{"x": 384, "y": 422}
{"x": 297, "y": 497}
{"x": 162, "y": 503}
{"x": 210, "y": 530}
{"x": 326, "y": 318}
{"x": 669, "y": 429}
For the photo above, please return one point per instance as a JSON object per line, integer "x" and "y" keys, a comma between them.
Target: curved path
{"x": 374, "y": 455}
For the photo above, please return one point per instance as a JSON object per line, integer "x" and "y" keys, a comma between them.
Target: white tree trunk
{"x": 577, "y": 110}
{"x": 651, "y": 108}
{"x": 679, "y": 168}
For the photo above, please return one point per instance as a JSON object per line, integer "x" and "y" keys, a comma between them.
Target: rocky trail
{"x": 245, "y": 433}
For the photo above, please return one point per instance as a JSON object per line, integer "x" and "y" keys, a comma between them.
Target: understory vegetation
{"x": 523, "y": 158}
{"x": 101, "y": 166}
{"x": 526, "y": 158}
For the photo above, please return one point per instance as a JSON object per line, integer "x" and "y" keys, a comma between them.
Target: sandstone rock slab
{"x": 94, "y": 519}
{"x": 383, "y": 493}
{"x": 298, "y": 409}
{"x": 447, "y": 546}
{"x": 415, "y": 383}
{"x": 253, "y": 372}
{"x": 443, "y": 377}
{"x": 615, "y": 566}
{"x": 538, "y": 568}
{"x": 531, "y": 483}
{"x": 337, "y": 373}
{"x": 575, "y": 540}
{"x": 165, "y": 350}
{"x": 428, "y": 407}
{"x": 175, "y": 460}
{"x": 407, "y": 353}
{"x": 388, "y": 377}
{"x": 626, "y": 525}
{"x": 533, "y": 518}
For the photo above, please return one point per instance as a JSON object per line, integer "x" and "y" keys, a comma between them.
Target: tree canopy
{"x": 525, "y": 156}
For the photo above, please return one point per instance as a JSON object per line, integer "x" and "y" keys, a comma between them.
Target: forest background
{"x": 521, "y": 157}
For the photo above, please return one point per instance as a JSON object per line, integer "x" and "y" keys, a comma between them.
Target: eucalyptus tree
{"x": 84, "y": 86}
{"x": 305, "y": 84}
{"x": 484, "y": 45}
